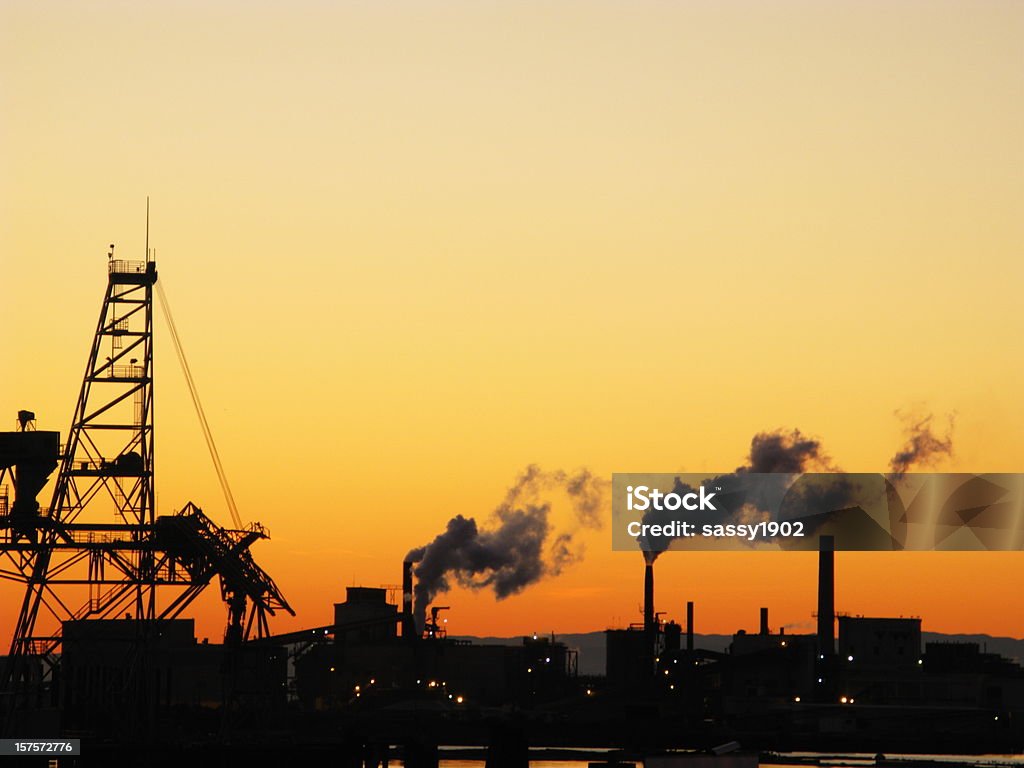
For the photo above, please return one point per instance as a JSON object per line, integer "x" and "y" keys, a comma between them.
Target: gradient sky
{"x": 413, "y": 247}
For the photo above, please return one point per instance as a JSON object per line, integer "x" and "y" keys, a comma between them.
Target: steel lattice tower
{"x": 107, "y": 469}
{"x": 100, "y": 551}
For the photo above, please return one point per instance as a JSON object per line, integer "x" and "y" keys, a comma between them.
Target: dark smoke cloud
{"x": 780, "y": 452}
{"x": 777, "y": 456}
{"x": 785, "y": 452}
{"x": 518, "y": 549}
{"x": 923, "y": 446}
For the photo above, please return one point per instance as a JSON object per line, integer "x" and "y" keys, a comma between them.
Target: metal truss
{"x": 99, "y": 550}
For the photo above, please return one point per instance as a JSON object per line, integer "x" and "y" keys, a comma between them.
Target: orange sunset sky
{"x": 414, "y": 247}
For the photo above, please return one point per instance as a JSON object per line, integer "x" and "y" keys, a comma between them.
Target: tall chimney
{"x": 764, "y": 621}
{"x": 649, "y": 597}
{"x": 689, "y": 625}
{"x": 408, "y": 625}
{"x": 826, "y": 596}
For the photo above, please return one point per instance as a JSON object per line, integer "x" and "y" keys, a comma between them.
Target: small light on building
{"x": 372, "y": 680}
{"x": 783, "y": 643}
{"x": 458, "y": 699}
{"x": 332, "y": 669}
{"x": 672, "y": 687}
{"x": 529, "y": 669}
{"x": 796, "y": 699}
{"x": 547, "y": 660}
{"x": 843, "y": 700}
{"x": 920, "y": 661}
{"x": 849, "y": 658}
{"x": 820, "y": 680}
{"x": 357, "y": 689}
{"x": 590, "y": 692}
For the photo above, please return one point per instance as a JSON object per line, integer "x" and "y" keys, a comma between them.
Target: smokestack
{"x": 689, "y": 625}
{"x": 826, "y": 595}
{"x": 649, "y": 597}
{"x": 764, "y": 621}
{"x": 408, "y": 625}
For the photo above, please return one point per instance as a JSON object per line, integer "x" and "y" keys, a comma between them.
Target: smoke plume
{"x": 519, "y": 547}
{"x": 790, "y": 452}
{"x": 780, "y": 452}
{"x": 777, "y": 456}
{"x": 923, "y": 446}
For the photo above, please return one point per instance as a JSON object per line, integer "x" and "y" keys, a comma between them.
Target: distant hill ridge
{"x": 592, "y": 649}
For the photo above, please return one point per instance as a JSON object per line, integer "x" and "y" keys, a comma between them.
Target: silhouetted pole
{"x": 649, "y": 628}
{"x": 826, "y": 596}
{"x": 825, "y": 683}
{"x": 408, "y": 625}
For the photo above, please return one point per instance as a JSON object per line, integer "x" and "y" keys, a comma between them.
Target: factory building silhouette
{"x": 872, "y": 683}
{"x": 368, "y": 656}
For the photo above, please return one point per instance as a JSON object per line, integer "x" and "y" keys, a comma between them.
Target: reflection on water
{"x": 865, "y": 758}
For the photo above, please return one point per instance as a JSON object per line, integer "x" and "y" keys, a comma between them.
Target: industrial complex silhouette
{"x": 103, "y": 651}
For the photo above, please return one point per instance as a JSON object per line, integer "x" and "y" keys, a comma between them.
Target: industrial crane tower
{"x": 99, "y": 551}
